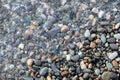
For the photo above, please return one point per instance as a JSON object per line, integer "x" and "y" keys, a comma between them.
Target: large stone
{"x": 112, "y": 55}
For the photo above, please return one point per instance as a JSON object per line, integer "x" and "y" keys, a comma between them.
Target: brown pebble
{"x": 35, "y": 23}
{"x": 64, "y": 28}
{"x": 49, "y": 78}
{"x": 77, "y": 33}
{"x": 29, "y": 62}
{"x": 90, "y": 66}
{"x": 92, "y": 45}
{"x": 31, "y": 53}
{"x": 64, "y": 73}
{"x": 114, "y": 63}
{"x": 98, "y": 41}
{"x": 30, "y": 44}
{"x": 55, "y": 58}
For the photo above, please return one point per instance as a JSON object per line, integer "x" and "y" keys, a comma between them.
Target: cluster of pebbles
{"x": 60, "y": 40}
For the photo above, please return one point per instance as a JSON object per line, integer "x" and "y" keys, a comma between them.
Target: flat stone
{"x": 43, "y": 71}
{"x": 114, "y": 46}
{"x": 95, "y": 10}
{"x": 38, "y": 62}
{"x": 112, "y": 55}
{"x": 64, "y": 73}
{"x": 53, "y": 32}
{"x": 98, "y": 41}
{"x": 111, "y": 40}
{"x": 87, "y": 33}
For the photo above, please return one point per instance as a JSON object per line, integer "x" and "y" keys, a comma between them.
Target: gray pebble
{"x": 43, "y": 71}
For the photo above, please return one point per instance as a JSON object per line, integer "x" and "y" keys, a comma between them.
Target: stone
{"x": 44, "y": 71}
{"x": 114, "y": 46}
{"x": 24, "y": 59}
{"x": 111, "y": 40}
{"x": 92, "y": 45}
{"x": 104, "y": 23}
{"x": 64, "y": 73}
{"x": 75, "y": 58}
{"x": 27, "y": 34}
{"x": 77, "y": 33}
{"x": 97, "y": 71}
{"x": 91, "y": 17}
{"x": 35, "y": 23}
{"x": 64, "y": 28}
{"x": 103, "y": 38}
{"x": 106, "y": 75}
{"x": 53, "y": 32}
{"x": 63, "y": 2}
{"x": 117, "y": 36}
{"x": 11, "y": 66}
{"x": 21, "y": 46}
{"x": 115, "y": 63}
{"x": 94, "y": 22}
{"x": 109, "y": 65}
{"x": 30, "y": 62}
{"x": 82, "y": 65}
{"x": 112, "y": 55}
{"x": 117, "y": 26}
{"x": 100, "y": 14}
{"x": 54, "y": 68}
{"x": 49, "y": 78}
{"x": 98, "y": 41}
{"x": 95, "y": 10}
{"x": 87, "y": 33}
{"x": 38, "y": 62}
{"x": 86, "y": 76}
{"x": 68, "y": 57}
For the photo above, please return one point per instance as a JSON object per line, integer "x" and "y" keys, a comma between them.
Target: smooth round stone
{"x": 64, "y": 73}
{"x": 86, "y": 75}
{"x": 64, "y": 28}
{"x": 112, "y": 55}
{"x": 106, "y": 75}
{"x": 68, "y": 57}
{"x": 115, "y": 63}
{"x": 82, "y": 65}
{"x": 117, "y": 36}
{"x": 37, "y": 62}
{"x": 109, "y": 65}
{"x": 43, "y": 71}
{"x": 91, "y": 17}
{"x": 75, "y": 58}
{"x": 103, "y": 38}
{"x": 114, "y": 46}
{"x": 87, "y": 33}
{"x": 97, "y": 71}
{"x": 98, "y": 41}
{"x": 111, "y": 40}
{"x": 49, "y": 78}
{"x": 21, "y": 46}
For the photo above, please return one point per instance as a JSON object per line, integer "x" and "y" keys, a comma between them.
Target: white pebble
{"x": 95, "y": 10}
{"x": 79, "y": 53}
{"x": 21, "y": 46}
{"x": 100, "y": 14}
{"x": 117, "y": 36}
{"x": 87, "y": 33}
{"x": 112, "y": 55}
{"x": 82, "y": 65}
{"x": 117, "y": 26}
{"x": 68, "y": 57}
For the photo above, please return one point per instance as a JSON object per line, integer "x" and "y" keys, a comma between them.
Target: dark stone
{"x": 54, "y": 68}
{"x": 75, "y": 58}
{"x": 111, "y": 40}
{"x": 38, "y": 62}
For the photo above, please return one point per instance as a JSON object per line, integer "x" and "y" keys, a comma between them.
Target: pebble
{"x": 106, "y": 75}
{"x": 117, "y": 36}
{"x": 112, "y": 55}
{"x": 95, "y": 10}
{"x": 117, "y": 26}
{"x": 21, "y": 46}
{"x": 92, "y": 45}
{"x": 75, "y": 58}
{"x": 100, "y": 14}
{"x": 91, "y": 17}
{"x": 53, "y": 32}
{"x": 68, "y": 57}
{"x": 87, "y": 33}
{"x": 114, "y": 46}
{"x": 111, "y": 40}
{"x": 98, "y": 41}
{"x": 97, "y": 71}
{"x": 49, "y": 78}
{"x": 24, "y": 59}
{"x": 43, "y": 71}
{"x": 11, "y": 66}
{"x": 103, "y": 38}
{"x": 38, "y": 62}
{"x": 64, "y": 73}
{"x": 30, "y": 62}
{"x": 86, "y": 76}
{"x": 54, "y": 68}
{"x": 94, "y": 22}
{"x": 104, "y": 23}
{"x": 109, "y": 65}
{"x": 64, "y": 28}
{"x": 82, "y": 65}
{"x": 115, "y": 63}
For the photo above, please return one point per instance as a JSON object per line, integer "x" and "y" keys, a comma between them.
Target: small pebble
{"x": 115, "y": 63}
{"x": 91, "y": 17}
{"x": 64, "y": 28}
{"x": 106, "y": 75}
{"x": 112, "y": 55}
{"x": 100, "y": 14}
{"x": 103, "y": 38}
{"x": 82, "y": 65}
{"x": 111, "y": 40}
{"x": 68, "y": 57}
{"x": 43, "y": 71}
{"x": 114, "y": 46}
{"x": 49, "y": 78}
{"x": 30, "y": 62}
{"x": 87, "y": 33}
{"x": 75, "y": 58}
{"x": 92, "y": 45}
{"x": 97, "y": 71}
{"x": 117, "y": 36}
{"x": 95, "y": 10}
{"x": 98, "y": 41}
{"x": 21, "y": 46}
{"x": 109, "y": 65}
{"x": 64, "y": 73}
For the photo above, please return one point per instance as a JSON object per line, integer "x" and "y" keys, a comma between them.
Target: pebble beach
{"x": 59, "y": 39}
